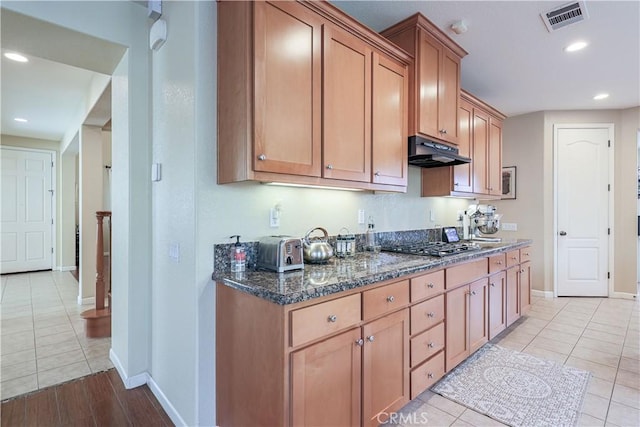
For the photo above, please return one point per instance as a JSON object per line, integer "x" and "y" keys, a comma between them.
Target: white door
{"x": 582, "y": 209}
{"x": 26, "y": 210}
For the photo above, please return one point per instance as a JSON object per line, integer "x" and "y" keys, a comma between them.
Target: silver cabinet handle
{"x": 431, "y": 314}
{"x": 329, "y": 166}
{"x": 514, "y": 258}
{"x": 522, "y": 271}
{"x": 443, "y": 131}
{"x": 262, "y": 157}
{"x": 370, "y": 338}
{"x": 526, "y": 253}
{"x": 473, "y": 292}
{"x": 563, "y": 233}
{"x": 499, "y": 262}
{"x": 332, "y": 318}
{"x": 390, "y": 298}
{"x": 360, "y": 342}
{"x": 430, "y": 345}
{"x": 430, "y": 285}
{"x": 455, "y": 184}
{"x": 430, "y": 375}
{"x": 377, "y": 174}
{"x": 493, "y": 284}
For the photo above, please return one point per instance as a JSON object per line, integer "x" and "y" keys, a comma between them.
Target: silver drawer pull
{"x": 377, "y": 174}
{"x": 430, "y": 375}
{"x": 390, "y": 298}
{"x": 262, "y": 157}
{"x": 493, "y": 284}
{"x": 431, "y": 314}
{"x": 514, "y": 258}
{"x": 360, "y": 342}
{"x": 430, "y": 285}
{"x": 499, "y": 262}
{"x": 473, "y": 292}
{"x": 430, "y": 345}
{"x": 370, "y": 338}
{"x": 329, "y": 166}
{"x": 332, "y": 318}
{"x": 443, "y": 131}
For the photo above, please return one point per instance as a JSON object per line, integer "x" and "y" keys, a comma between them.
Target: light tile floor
{"x": 42, "y": 340}
{"x": 599, "y": 335}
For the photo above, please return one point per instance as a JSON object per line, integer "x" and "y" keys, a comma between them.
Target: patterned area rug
{"x": 516, "y": 388}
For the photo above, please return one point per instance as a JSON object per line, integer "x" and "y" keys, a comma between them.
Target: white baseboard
{"x": 541, "y": 294}
{"x": 83, "y": 301}
{"x": 166, "y": 405}
{"x": 623, "y": 295}
{"x": 145, "y": 378}
{"x": 65, "y": 268}
{"x": 129, "y": 382}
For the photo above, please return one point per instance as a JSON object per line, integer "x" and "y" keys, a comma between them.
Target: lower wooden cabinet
{"x": 385, "y": 367}
{"x": 525, "y": 287}
{"x": 327, "y": 375}
{"x": 513, "y": 295}
{"x": 466, "y": 320}
{"x": 497, "y": 303}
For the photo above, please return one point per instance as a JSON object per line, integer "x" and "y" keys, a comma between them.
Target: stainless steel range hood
{"x": 430, "y": 154}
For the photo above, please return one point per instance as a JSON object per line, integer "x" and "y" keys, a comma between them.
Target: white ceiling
{"x": 516, "y": 65}
{"x": 513, "y": 64}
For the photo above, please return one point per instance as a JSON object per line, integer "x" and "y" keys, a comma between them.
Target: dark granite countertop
{"x": 341, "y": 274}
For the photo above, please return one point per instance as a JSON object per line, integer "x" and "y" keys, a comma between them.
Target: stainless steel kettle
{"x": 316, "y": 249}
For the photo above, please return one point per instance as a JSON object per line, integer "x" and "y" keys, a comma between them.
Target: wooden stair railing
{"x": 98, "y": 320}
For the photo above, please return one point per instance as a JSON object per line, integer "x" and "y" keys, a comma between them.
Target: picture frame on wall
{"x": 509, "y": 183}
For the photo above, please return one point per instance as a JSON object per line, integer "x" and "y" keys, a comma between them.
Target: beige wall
{"x": 528, "y": 144}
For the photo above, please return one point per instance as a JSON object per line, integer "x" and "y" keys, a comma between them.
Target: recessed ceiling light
{"x": 601, "y": 96}
{"x": 21, "y": 120}
{"x": 574, "y": 47}
{"x": 16, "y": 57}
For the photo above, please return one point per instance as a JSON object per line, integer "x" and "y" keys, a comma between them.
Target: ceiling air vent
{"x": 564, "y": 15}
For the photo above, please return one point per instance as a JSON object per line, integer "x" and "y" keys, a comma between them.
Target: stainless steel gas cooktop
{"x": 438, "y": 249}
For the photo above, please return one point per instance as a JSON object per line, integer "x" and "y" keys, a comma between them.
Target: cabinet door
{"x": 480, "y": 150}
{"x": 326, "y": 380}
{"x": 287, "y": 73}
{"x": 497, "y": 304}
{"x": 513, "y": 295}
{"x": 390, "y": 91}
{"x": 346, "y": 107}
{"x": 449, "y": 96}
{"x": 385, "y": 367}
{"x": 456, "y": 321}
{"x": 525, "y": 287}
{"x": 462, "y": 175}
{"x": 478, "y": 314}
{"x": 428, "y": 79}
{"x": 494, "y": 156}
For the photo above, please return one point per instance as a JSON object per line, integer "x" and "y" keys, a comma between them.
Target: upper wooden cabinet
{"x": 299, "y": 91}
{"x": 434, "y": 84}
{"x": 481, "y": 140}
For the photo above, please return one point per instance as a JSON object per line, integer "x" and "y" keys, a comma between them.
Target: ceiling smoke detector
{"x": 564, "y": 15}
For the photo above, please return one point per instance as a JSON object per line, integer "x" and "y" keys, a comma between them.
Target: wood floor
{"x": 96, "y": 400}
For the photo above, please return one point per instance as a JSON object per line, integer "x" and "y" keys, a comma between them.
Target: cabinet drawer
{"x": 323, "y": 319}
{"x": 386, "y": 298}
{"x": 427, "y": 285}
{"x": 497, "y": 263}
{"x": 525, "y": 254}
{"x": 427, "y": 344}
{"x": 426, "y": 375}
{"x": 513, "y": 258}
{"x": 427, "y": 314}
{"x": 465, "y": 273}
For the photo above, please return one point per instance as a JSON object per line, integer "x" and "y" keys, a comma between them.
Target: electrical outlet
{"x": 360, "y": 216}
{"x": 509, "y": 226}
{"x": 174, "y": 252}
{"x": 432, "y": 215}
{"x": 274, "y": 218}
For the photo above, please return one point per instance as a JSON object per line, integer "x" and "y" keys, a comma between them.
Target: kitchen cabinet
{"x": 298, "y": 85}
{"x": 481, "y": 140}
{"x": 525, "y": 287}
{"x": 434, "y": 84}
{"x": 513, "y": 295}
{"x": 466, "y": 320}
{"x": 497, "y": 304}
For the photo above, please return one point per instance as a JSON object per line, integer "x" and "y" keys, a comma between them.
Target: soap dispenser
{"x": 370, "y": 237}
{"x": 237, "y": 255}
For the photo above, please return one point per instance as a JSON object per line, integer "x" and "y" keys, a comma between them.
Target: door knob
{"x": 563, "y": 233}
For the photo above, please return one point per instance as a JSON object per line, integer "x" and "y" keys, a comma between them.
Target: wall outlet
{"x": 509, "y": 226}
{"x": 174, "y": 252}
{"x": 432, "y": 215}
{"x": 274, "y": 218}
{"x": 361, "y": 216}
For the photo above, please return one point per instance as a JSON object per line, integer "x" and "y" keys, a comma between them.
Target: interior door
{"x": 582, "y": 203}
{"x": 26, "y": 211}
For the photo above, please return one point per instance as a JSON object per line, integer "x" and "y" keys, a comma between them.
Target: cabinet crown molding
{"x": 477, "y": 101}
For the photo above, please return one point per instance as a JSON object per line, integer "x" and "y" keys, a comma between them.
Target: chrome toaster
{"x": 280, "y": 253}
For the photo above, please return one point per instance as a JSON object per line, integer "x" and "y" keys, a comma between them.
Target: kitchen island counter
{"x": 341, "y": 274}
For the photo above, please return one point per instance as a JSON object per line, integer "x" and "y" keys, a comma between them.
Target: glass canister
{"x": 345, "y": 243}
